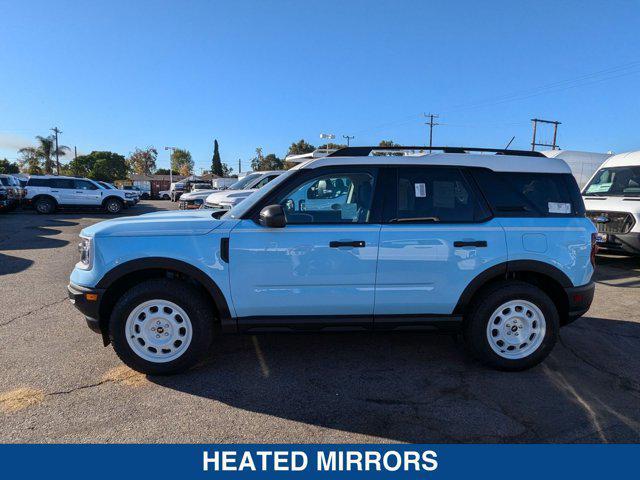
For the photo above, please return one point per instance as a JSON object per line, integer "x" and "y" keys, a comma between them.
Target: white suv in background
{"x": 48, "y": 192}
{"x": 227, "y": 199}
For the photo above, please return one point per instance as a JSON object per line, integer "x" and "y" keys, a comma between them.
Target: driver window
{"x": 339, "y": 198}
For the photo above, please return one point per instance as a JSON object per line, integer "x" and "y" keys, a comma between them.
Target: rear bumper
{"x": 87, "y": 301}
{"x": 580, "y": 299}
{"x": 622, "y": 243}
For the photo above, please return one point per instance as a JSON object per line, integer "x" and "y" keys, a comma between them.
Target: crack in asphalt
{"x": 31, "y": 312}
{"x": 626, "y": 382}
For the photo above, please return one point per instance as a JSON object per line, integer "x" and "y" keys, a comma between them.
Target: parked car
{"x": 612, "y": 199}
{"x": 131, "y": 199}
{"x": 164, "y": 194}
{"x": 11, "y": 192}
{"x": 135, "y": 189}
{"x": 198, "y": 187}
{"x": 494, "y": 246}
{"x": 194, "y": 199}
{"x": 176, "y": 190}
{"x": 46, "y": 193}
{"x": 240, "y": 190}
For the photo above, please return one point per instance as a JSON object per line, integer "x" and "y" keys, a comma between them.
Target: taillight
{"x": 594, "y": 249}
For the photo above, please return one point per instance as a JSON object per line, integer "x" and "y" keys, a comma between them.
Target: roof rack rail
{"x": 365, "y": 151}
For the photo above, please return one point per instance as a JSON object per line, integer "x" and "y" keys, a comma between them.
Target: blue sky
{"x": 119, "y": 74}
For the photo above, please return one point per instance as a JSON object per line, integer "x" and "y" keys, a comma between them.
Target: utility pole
{"x": 348, "y": 138}
{"x": 431, "y": 124}
{"x": 534, "y": 142}
{"x": 56, "y": 130}
{"x": 239, "y": 166}
{"x": 75, "y": 152}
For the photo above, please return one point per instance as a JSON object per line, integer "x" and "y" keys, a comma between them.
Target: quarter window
{"x": 434, "y": 194}
{"x": 85, "y": 185}
{"x": 514, "y": 194}
{"x": 334, "y": 198}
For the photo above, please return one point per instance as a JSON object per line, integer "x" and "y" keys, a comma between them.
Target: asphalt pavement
{"x": 59, "y": 384}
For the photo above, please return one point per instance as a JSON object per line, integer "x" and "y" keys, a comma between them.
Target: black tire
{"x": 475, "y": 324}
{"x": 113, "y": 205}
{"x": 175, "y": 291}
{"x": 45, "y": 205}
{"x": 166, "y": 197}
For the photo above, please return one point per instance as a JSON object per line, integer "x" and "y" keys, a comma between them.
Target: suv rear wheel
{"x": 513, "y": 326}
{"x": 161, "y": 327}
{"x": 113, "y": 205}
{"x": 45, "y": 205}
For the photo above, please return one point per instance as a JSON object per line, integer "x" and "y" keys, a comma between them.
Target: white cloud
{"x": 11, "y": 141}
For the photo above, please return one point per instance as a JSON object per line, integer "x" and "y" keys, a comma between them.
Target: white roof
{"x": 498, "y": 163}
{"x": 623, "y": 159}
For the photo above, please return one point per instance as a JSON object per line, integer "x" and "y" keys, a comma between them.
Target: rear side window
{"x": 435, "y": 194}
{"x": 512, "y": 194}
{"x": 65, "y": 183}
{"x": 38, "y": 182}
{"x": 85, "y": 185}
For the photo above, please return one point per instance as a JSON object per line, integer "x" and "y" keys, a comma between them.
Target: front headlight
{"x": 85, "y": 247}
{"x": 129, "y": 195}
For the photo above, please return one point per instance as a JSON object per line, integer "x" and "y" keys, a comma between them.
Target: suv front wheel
{"x": 512, "y": 326}
{"x": 161, "y": 327}
{"x": 45, "y": 205}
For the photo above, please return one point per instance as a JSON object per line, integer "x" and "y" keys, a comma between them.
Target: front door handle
{"x": 338, "y": 244}
{"x": 472, "y": 243}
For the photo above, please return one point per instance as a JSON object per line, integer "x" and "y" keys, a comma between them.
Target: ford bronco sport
{"x": 495, "y": 246}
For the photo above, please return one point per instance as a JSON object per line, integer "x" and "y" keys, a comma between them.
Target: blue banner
{"x": 318, "y": 461}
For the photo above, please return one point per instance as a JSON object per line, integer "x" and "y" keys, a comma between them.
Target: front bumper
{"x": 87, "y": 300}
{"x": 628, "y": 243}
{"x": 580, "y": 299}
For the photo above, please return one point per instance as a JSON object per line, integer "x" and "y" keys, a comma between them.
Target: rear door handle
{"x": 472, "y": 243}
{"x": 338, "y": 244}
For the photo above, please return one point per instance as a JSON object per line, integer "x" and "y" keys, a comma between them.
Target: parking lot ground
{"x": 58, "y": 384}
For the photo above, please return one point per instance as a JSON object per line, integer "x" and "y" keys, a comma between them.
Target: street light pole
{"x": 327, "y": 136}
{"x": 348, "y": 138}
{"x": 172, "y": 149}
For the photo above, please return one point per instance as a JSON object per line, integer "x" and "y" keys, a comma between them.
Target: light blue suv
{"x": 490, "y": 243}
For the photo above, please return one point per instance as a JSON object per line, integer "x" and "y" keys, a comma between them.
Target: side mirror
{"x": 272, "y": 216}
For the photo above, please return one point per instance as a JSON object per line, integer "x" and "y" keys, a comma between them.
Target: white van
{"x": 612, "y": 200}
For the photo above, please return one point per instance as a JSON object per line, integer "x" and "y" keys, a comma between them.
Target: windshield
{"x": 615, "y": 182}
{"x": 247, "y": 203}
{"x": 240, "y": 184}
{"x": 106, "y": 186}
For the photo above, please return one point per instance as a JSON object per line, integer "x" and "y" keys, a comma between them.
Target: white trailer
{"x": 583, "y": 164}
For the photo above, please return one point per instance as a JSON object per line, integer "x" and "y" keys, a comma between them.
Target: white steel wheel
{"x": 516, "y": 329}
{"x": 158, "y": 331}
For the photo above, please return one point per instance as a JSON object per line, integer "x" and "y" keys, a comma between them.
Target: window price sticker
{"x": 555, "y": 207}
{"x": 421, "y": 190}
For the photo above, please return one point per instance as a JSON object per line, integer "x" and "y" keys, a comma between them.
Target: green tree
{"x": 300, "y": 147}
{"x": 262, "y": 163}
{"x": 9, "y": 167}
{"x": 335, "y": 146}
{"x": 216, "y": 163}
{"x": 30, "y": 160}
{"x": 388, "y": 143}
{"x": 143, "y": 162}
{"x": 105, "y": 166}
{"x": 165, "y": 171}
{"x": 227, "y": 171}
{"x": 181, "y": 161}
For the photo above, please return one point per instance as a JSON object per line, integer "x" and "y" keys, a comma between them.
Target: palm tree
{"x": 46, "y": 147}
